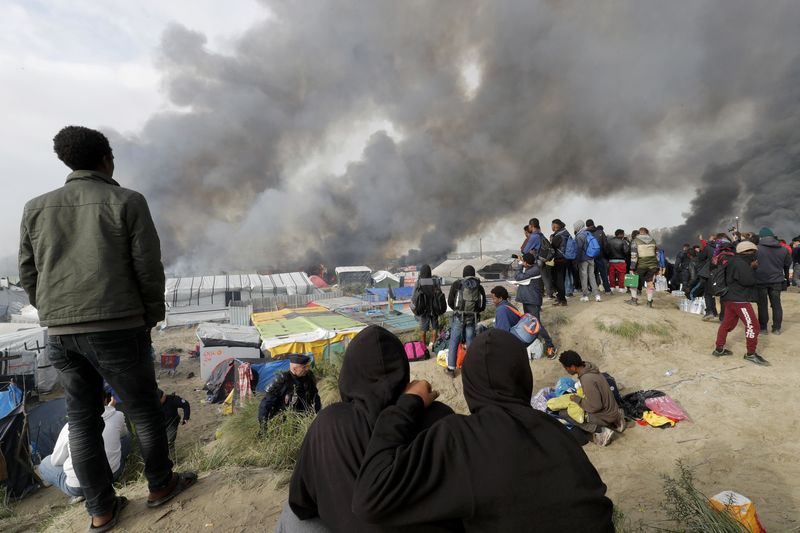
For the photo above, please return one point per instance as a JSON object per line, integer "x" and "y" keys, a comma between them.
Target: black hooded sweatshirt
{"x": 506, "y": 467}
{"x": 374, "y": 373}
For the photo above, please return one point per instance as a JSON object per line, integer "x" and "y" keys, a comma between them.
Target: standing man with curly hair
{"x": 90, "y": 261}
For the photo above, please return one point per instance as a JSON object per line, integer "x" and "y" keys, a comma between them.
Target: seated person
{"x": 506, "y": 317}
{"x": 294, "y": 389}
{"x": 603, "y": 415}
{"x": 56, "y": 469}
{"x": 374, "y": 373}
{"x": 170, "y": 403}
{"x": 506, "y": 467}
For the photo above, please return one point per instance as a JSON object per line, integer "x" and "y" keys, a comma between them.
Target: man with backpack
{"x": 529, "y": 294}
{"x": 428, "y": 304}
{"x": 601, "y": 261}
{"x": 644, "y": 263}
{"x": 772, "y": 276}
{"x": 588, "y": 250}
{"x": 738, "y": 293}
{"x": 564, "y": 245}
{"x": 467, "y": 299}
{"x": 538, "y": 245}
{"x": 617, "y": 252}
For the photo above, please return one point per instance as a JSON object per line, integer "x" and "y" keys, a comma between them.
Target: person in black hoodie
{"x": 740, "y": 279}
{"x": 559, "y": 240}
{"x": 618, "y": 253}
{"x": 506, "y": 467}
{"x": 374, "y": 373}
{"x": 774, "y": 263}
{"x": 427, "y": 287}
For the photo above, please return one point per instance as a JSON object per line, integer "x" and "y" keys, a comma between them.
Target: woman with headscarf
{"x": 374, "y": 373}
{"x": 506, "y": 467}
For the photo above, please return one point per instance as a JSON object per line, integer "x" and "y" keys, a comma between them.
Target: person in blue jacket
{"x": 529, "y": 294}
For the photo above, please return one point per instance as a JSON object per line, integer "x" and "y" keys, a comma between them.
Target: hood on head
{"x": 469, "y": 271}
{"x": 769, "y": 241}
{"x": 578, "y": 225}
{"x": 374, "y": 371}
{"x": 496, "y": 372}
{"x": 425, "y": 271}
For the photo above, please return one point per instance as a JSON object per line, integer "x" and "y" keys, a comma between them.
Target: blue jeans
{"x": 569, "y": 285}
{"x": 123, "y": 359}
{"x": 455, "y": 338}
{"x": 55, "y": 474}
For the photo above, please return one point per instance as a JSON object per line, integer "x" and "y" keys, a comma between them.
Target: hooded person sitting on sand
{"x": 375, "y": 372}
{"x": 506, "y": 467}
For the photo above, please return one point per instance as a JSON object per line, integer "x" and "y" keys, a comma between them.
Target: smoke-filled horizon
{"x": 489, "y": 107}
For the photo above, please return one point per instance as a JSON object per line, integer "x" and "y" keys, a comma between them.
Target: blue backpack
{"x": 592, "y": 245}
{"x": 571, "y": 249}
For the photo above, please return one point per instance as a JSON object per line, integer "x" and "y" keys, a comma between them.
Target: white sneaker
{"x": 621, "y": 291}
{"x": 597, "y": 298}
{"x": 584, "y": 298}
{"x": 604, "y": 437}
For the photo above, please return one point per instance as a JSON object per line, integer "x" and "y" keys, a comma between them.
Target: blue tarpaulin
{"x": 10, "y": 399}
{"x": 400, "y": 293}
{"x": 267, "y": 372}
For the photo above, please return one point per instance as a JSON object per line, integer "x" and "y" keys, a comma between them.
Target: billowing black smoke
{"x": 576, "y": 98}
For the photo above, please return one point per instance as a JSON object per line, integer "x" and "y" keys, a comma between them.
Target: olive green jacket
{"x": 89, "y": 251}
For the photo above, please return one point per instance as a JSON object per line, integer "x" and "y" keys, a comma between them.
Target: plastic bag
{"x": 536, "y": 349}
{"x": 564, "y": 385}
{"x": 741, "y": 508}
{"x": 539, "y": 400}
{"x": 661, "y": 284}
{"x": 666, "y": 406}
{"x": 461, "y": 355}
{"x": 698, "y": 306}
{"x": 441, "y": 358}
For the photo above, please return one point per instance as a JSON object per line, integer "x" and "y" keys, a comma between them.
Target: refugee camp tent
{"x": 225, "y": 376}
{"x": 353, "y": 275}
{"x": 45, "y": 420}
{"x": 497, "y": 270}
{"x": 452, "y": 269}
{"x": 385, "y": 280}
{"x": 16, "y": 469}
{"x": 221, "y": 290}
{"x": 23, "y": 357}
{"x": 313, "y": 330}
{"x": 382, "y": 295}
{"x": 219, "y": 342}
{"x": 12, "y": 300}
{"x": 318, "y": 282}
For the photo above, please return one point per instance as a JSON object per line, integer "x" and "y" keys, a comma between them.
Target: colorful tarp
{"x": 312, "y": 330}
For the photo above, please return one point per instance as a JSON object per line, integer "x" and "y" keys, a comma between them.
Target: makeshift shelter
{"x": 12, "y": 300}
{"x": 45, "y": 421}
{"x": 453, "y": 269}
{"x": 353, "y": 275}
{"x": 219, "y": 342}
{"x": 498, "y": 270}
{"x": 23, "y": 358}
{"x": 313, "y": 330}
{"x": 382, "y": 295}
{"x": 16, "y": 469}
{"x": 221, "y": 290}
{"x": 385, "y": 280}
{"x": 224, "y": 377}
{"x": 318, "y": 282}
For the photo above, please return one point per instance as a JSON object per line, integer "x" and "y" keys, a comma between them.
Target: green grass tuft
{"x": 556, "y": 320}
{"x": 630, "y": 330}
{"x": 6, "y": 511}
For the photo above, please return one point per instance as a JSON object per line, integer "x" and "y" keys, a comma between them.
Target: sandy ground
{"x": 737, "y": 439}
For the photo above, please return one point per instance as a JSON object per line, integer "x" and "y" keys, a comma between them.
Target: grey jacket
{"x": 89, "y": 252}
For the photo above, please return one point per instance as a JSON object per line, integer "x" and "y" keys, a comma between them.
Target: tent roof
{"x": 381, "y": 275}
{"x": 346, "y": 269}
{"x": 299, "y": 321}
{"x": 454, "y": 268}
{"x": 211, "y": 334}
{"x": 181, "y": 291}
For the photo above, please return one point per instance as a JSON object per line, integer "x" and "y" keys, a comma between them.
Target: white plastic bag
{"x": 536, "y": 349}
{"x": 661, "y": 284}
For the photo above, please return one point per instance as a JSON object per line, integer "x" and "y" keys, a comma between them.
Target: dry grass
{"x": 630, "y": 330}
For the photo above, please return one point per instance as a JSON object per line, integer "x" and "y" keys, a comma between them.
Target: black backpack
{"x": 419, "y": 302}
{"x": 719, "y": 280}
{"x": 439, "y": 304}
{"x": 546, "y": 251}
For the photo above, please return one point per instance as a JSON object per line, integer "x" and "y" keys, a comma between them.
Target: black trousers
{"x": 770, "y": 296}
{"x": 559, "y": 275}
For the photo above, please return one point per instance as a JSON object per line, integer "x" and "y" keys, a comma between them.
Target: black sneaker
{"x": 757, "y": 359}
{"x": 776, "y": 331}
{"x": 632, "y": 301}
{"x": 719, "y": 352}
{"x": 650, "y": 304}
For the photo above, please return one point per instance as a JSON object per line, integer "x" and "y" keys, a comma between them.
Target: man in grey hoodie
{"x": 774, "y": 263}
{"x": 586, "y": 265}
{"x": 603, "y": 414}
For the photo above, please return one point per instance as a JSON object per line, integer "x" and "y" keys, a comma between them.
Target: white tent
{"x": 24, "y": 353}
{"x": 452, "y": 269}
{"x": 353, "y": 274}
{"x": 209, "y": 291}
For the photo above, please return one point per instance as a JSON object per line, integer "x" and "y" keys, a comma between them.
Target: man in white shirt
{"x": 57, "y": 469}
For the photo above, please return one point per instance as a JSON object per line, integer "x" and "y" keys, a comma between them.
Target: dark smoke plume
{"x": 574, "y": 98}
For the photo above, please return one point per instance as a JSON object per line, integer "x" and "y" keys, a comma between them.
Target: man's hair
{"x": 723, "y": 236}
{"x": 81, "y": 148}
{"x": 589, "y": 222}
{"x": 619, "y": 233}
{"x": 534, "y": 222}
{"x": 570, "y": 358}
{"x": 558, "y": 223}
{"x": 600, "y": 227}
{"x": 686, "y": 244}
{"x": 644, "y": 231}
{"x": 525, "y": 228}
{"x": 500, "y": 292}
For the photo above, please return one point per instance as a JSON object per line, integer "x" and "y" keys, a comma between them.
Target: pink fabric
{"x": 245, "y": 377}
{"x": 666, "y": 406}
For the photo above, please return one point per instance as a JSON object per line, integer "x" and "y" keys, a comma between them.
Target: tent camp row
{"x": 221, "y": 290}
{"x": 24, "y": 359}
